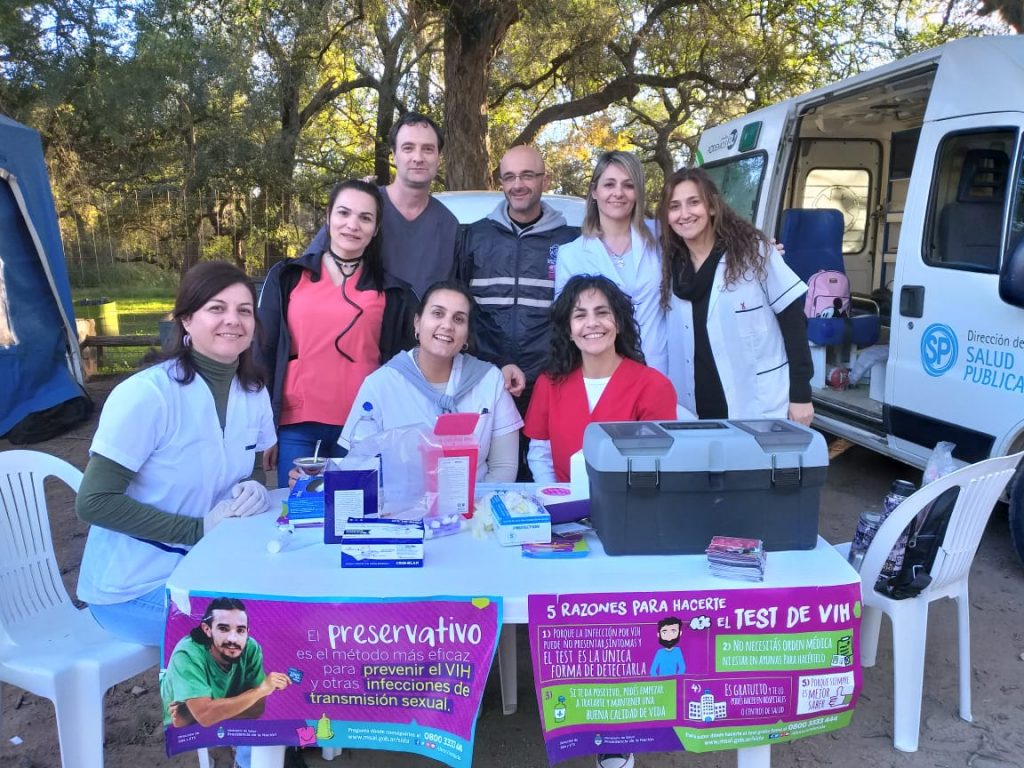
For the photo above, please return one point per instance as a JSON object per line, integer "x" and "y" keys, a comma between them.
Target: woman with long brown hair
{"x": 737, "y": 334}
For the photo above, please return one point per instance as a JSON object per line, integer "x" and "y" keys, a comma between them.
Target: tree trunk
{"x": 474, "y": 30}
{"x": 381, "y": 150}
{"x": 1011, "y": 12}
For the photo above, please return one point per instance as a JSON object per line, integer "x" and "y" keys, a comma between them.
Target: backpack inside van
{"x": 828, "y": 294}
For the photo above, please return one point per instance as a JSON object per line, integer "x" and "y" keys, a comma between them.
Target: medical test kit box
{"x": 352, "y": 489}
{"x": 305, "y": 503}
{"x": 568, "y": 502}
{"x": 369, "y": 543}
{"x": 519, "y": 519}
{"x": 668, "y": 487}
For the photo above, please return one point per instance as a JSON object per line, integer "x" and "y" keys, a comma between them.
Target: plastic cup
{"x": 311, "y": 466}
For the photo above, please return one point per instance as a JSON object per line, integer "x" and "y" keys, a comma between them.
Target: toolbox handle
{"x": 649, "y": 477}
{"x": 786, "y": 475}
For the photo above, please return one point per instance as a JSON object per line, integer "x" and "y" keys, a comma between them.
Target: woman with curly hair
{"x": 595, "y": 372}
{"x": 737, "y": 334}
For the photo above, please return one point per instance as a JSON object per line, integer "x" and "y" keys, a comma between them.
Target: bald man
{"x": 508, "y": 261}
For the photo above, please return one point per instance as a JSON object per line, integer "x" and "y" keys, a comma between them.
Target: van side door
{"x": 956, "y": 366}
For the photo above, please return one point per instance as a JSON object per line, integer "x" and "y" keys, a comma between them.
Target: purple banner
{"x": 397, "y": 674}
{"x": 693, "y": 671}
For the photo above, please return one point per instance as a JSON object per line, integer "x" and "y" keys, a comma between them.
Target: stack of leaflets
{"x": 561, "y": 545}
{"x": 736, "y": 558}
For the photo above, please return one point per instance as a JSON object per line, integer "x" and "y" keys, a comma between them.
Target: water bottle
{"x": 367, "y": 424}
{"x": 365, "y": 427}
{"x": 898, "y": 493}
{"x": 867, "y": 527}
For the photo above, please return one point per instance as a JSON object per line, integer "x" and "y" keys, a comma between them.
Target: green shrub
{"x": 120, "y": 279}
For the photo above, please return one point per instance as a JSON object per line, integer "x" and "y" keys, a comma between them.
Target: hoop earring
{"x": 465, "y": 347}
{"x": 186, "y": 340}
{"x": 416, "y": 335}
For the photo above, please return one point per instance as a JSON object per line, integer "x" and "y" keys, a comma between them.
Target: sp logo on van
{"x": 938, "y": 349}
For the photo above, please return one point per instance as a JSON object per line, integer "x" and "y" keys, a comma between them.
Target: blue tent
{"x": 40, "y": 363}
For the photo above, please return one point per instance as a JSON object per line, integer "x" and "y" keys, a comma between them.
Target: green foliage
{"x": 179, "y": 130}
{"x": 115, "y": 281}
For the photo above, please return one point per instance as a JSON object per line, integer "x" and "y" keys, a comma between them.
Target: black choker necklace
{"x": 347, "y": 267}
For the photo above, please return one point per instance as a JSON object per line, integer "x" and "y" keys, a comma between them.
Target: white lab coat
{"x": 745, "y": 340}
{"x": 169, "y": 435}
{"x": 397, "y": 403}
{"x": 640, "y": 279}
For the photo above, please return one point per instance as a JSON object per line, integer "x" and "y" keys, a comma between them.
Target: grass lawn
{"x": 136, "y": 316}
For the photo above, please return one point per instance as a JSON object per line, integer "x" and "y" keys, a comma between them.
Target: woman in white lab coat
{"x": 618, "y": 243}
{"x": 437, "y": 377}
{"x": 737, "y": 334}
{"x": 173, "y": 453}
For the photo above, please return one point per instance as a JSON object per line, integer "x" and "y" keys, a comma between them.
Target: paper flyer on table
{"x": 402, "y": 674}
{"x": 693, "y": 671}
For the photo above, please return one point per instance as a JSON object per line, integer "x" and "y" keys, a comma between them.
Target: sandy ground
{"x": 856, "y": 479}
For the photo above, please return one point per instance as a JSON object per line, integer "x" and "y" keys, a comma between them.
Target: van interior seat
{"x": 970, "y": 226}
{"x": 813, "y": 240}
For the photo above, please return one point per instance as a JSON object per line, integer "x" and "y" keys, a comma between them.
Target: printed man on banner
{"x": 669, "y": 659}
{"x": 216, "y": 672}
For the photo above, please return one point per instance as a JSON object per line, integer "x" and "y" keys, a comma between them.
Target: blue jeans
{"x": 140, "y": 620}
{"x": 297, "y": 440}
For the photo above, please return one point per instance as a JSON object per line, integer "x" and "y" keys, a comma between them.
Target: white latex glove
{"x": 222, "y": 510}
{"x": 250, "y": 498}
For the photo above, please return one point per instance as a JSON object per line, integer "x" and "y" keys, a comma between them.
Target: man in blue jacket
{"x": 508, "y": 261}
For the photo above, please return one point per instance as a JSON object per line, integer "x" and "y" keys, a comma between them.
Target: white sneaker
{"x": 615, "y": 761}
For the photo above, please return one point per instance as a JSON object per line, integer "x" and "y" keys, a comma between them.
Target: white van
{"x": 924, "y": 158}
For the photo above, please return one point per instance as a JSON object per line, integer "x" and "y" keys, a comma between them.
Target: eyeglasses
{"x": 527, "y": 176}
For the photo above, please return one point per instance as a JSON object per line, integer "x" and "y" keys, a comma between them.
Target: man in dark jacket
{"x": 508, "y": 261}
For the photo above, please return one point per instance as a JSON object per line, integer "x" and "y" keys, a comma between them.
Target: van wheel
{"x": 1015, "y": 508}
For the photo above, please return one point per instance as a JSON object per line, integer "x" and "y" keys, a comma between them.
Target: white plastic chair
{"x": 980, "y": 487}
{"x": 47, "y": 646}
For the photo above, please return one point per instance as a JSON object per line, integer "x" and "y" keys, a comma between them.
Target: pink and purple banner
{"x": 693, "y": 671}
{"x": 397, "y": 674}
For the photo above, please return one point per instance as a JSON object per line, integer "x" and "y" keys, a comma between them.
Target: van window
{"x": 739, "y": 180}
{"x": 1017, "y": 212}
{"x": 846, "y": 190}
{"x": 968, "y": 199}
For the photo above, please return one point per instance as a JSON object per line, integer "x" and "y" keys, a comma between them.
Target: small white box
{"x": 818, "y": 361}
{"x": 519, "y": 519}
{"x": 368, "y": 543}
{"x": 876, "y": 386}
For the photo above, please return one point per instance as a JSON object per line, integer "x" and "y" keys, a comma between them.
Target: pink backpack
{"x": 828, "y": 294}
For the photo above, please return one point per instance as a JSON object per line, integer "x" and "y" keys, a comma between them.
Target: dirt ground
{"x": 856, "y": 478}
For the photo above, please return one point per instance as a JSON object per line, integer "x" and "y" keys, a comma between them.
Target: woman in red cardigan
{"x": 595, "y": 372}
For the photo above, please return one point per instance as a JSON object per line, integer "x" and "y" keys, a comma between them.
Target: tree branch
{"x": 328, "y": 92}
{"x": 620, "y": 88}
{"x": 551, "y": 71}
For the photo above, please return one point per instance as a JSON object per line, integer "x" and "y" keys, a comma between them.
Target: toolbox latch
{"x": 785, "y": 475}
{"x": 643, "y": 472}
